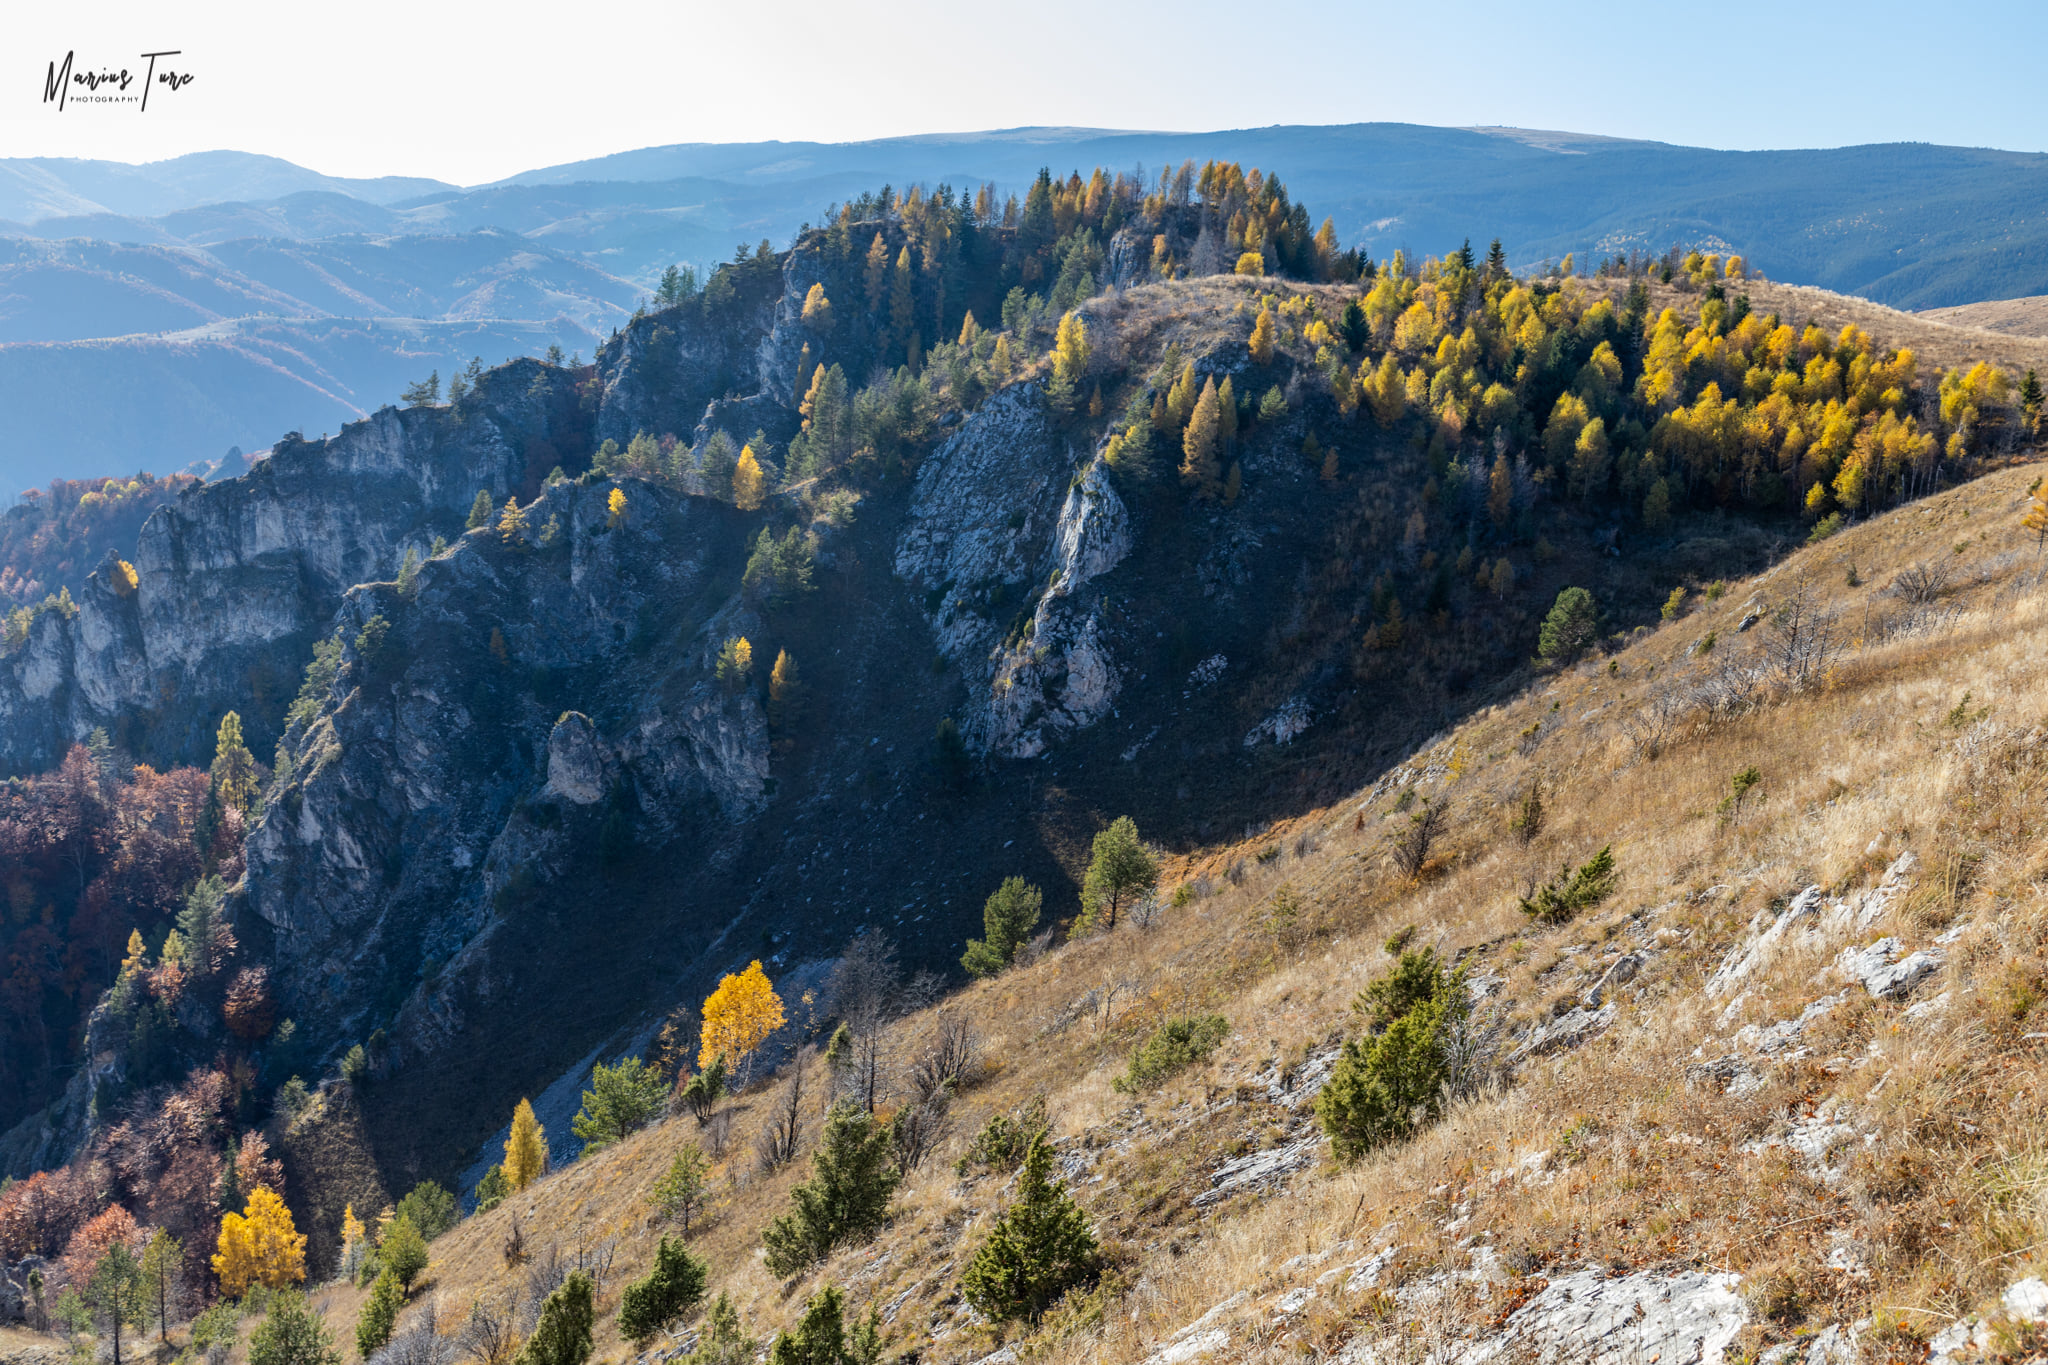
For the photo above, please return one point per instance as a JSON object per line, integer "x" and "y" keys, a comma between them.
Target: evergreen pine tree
{"x": 1007, "y": 918}
{"x": 1119, "y": 869}
{"x": 379, "y": 1315}
{"x": 820, "y": 1335}
{"x": 852, "y": 1179}
{"x": 722, "y": 1341}
{"x": 668, "y": 1291}
{"x": 562, "y": 1336}
{"x": 480, "y": 510}
{"x": 1040, "y": 1248}
{"x": 403, "y": 1251}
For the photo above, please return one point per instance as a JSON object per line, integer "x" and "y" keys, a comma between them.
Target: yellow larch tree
{"x": 261, "y": 1246}
{"x": 749, "y": 485}
{"x": 1262, "y": 337}
{"x": 615, "y": 506}
{"x": 1071, "y": 351}
{"x": 526, "y": 1148}
{"x": 1200, "y": 469}
{"x": 739, "y": 1016}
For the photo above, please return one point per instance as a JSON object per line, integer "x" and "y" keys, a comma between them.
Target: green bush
{"x": 1005, "y": 1138}
{"x": 380, "y": 1313}
{"x": 292, "y": 1335}
{"x": 1825, "y": 527}
{"x": 665, "y": 1293}
{"x": 403, "y": 1251}
{"x": 853, "y": 1176}
{"x": 1571, "y": 891}
{"x": 1040, "y": 1248}
{"x": 1389, "y": 1082}
{"x": 431, "y": 1209}
{"x": 1174, "y": 1045}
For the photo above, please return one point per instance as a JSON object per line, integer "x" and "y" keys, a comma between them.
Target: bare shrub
{"x": 783, "y": 1134}
{"x": 718, "y": 1132}
{"x": 543, "y": 1277}
{"x": 947, "y": 1058}
{"x": 1411, "y": 846}
{"x": 918, "y": 1129}
{"x": 490, "y": 1335}
{"x": 1920, "y": 583}
{"x": 1803, "y": 639}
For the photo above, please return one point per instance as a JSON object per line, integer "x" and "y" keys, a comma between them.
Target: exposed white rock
{"x": 1689, "y": 1318}
{"x": 1567, "y": 1030}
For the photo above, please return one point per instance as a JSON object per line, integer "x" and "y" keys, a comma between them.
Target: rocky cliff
{"x": 235, "y": 579}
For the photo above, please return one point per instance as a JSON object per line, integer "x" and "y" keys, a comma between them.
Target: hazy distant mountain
{"x": 215, "y": 236}
{"x": 162, "y": 402}
{"x": 46, "y": 187}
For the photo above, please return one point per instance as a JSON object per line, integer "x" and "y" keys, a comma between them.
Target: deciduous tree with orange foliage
{"x": 261, "y": 1246}
{"x": 738, "y": 1017}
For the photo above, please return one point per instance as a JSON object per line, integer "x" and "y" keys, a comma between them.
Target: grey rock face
{"x": 412, "y": 817}
{"x": 575, "y": 760}
{"x": 995, "y": 507}
{"x": 235, "y": 578}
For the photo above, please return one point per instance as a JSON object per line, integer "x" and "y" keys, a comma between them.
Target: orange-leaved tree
{"x": 260, "y": 1247}
{"x": 738, "y": 1017}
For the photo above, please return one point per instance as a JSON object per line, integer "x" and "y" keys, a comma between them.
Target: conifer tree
{"x": 1000, "y": 362}
{"x": 735, "y": 662}
{"x": 785, "y": 700}
{"x": 1570, "y": 628}
{"x": 749, "y": 485}
{"x": 876, "y": 272}
{"x": 621, "y": 1100}
{"x": 1262, "y": 337}
{"x": 403, "y": 1251}
{"x": 117, "y": 1295}
{"x": 820, "y": 1335}
{"x": 722, "y": 1341}
{"x": 292, "y": 1334}
{"x": 672, "y": 1288}
{"x": 259, "y": 1247}
{"x": 512, "y": 522}
{"x": 853, "y": 1175}
{"x": 1120, "y": 868}
{"x": 163, "y": 1260}
{"x": 526, "y": 1149}
{"x": 1070, "y": 356}
{"x": 1040, "y": 1248}
{"x": 562, "y": 1336}
{"x": 903, "y": 299}
{"x": 231, "y": 781}
{"x": 1007, "y": 918}
{"x": 1202, "y": 443}
{"x": 480, "y": 510}
{"x": 680, "y": 1191}
{"x": 379, "y": 1314}
{"x": 817, "y": 314}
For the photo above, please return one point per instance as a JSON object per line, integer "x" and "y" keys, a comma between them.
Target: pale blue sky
{"x": 470, "y": 93}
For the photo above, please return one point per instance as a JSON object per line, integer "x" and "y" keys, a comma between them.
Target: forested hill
{"x": 975, "y": 536}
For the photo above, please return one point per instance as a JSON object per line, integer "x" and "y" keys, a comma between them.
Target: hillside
{"x": 2020, "y": 317}
{"x": 1706, "y": 1096}
{"x": 426, "y": 764}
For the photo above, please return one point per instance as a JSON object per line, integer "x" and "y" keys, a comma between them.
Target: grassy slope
{"x": 1603, "y": 1153}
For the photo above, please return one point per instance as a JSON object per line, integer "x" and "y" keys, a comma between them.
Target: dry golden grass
{"x": 2020, "y": 317}
{"x": 1605, "y": 1153}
